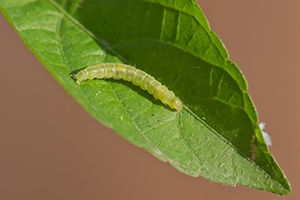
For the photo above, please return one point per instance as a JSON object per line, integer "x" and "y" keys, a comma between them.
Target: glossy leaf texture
{"x": 215, "y": 136}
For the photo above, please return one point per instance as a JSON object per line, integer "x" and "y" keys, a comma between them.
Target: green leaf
{"x": 216, "y": 136}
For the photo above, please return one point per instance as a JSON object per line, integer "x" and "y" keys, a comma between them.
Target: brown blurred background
{"x": 50, "y": 148}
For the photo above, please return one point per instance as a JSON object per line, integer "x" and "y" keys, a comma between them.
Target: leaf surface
{"x": 216, "y": 136}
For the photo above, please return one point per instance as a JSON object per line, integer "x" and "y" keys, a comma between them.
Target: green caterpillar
{"x": 128, "y": 73}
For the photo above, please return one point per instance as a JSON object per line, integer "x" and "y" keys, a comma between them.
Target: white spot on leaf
{"x": 266, "y": 136}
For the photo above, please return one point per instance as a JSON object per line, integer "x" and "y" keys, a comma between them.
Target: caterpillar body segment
{"x": 138, "y": 77}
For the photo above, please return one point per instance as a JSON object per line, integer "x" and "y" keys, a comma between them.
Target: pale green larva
{"x": 128, "y": 73}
